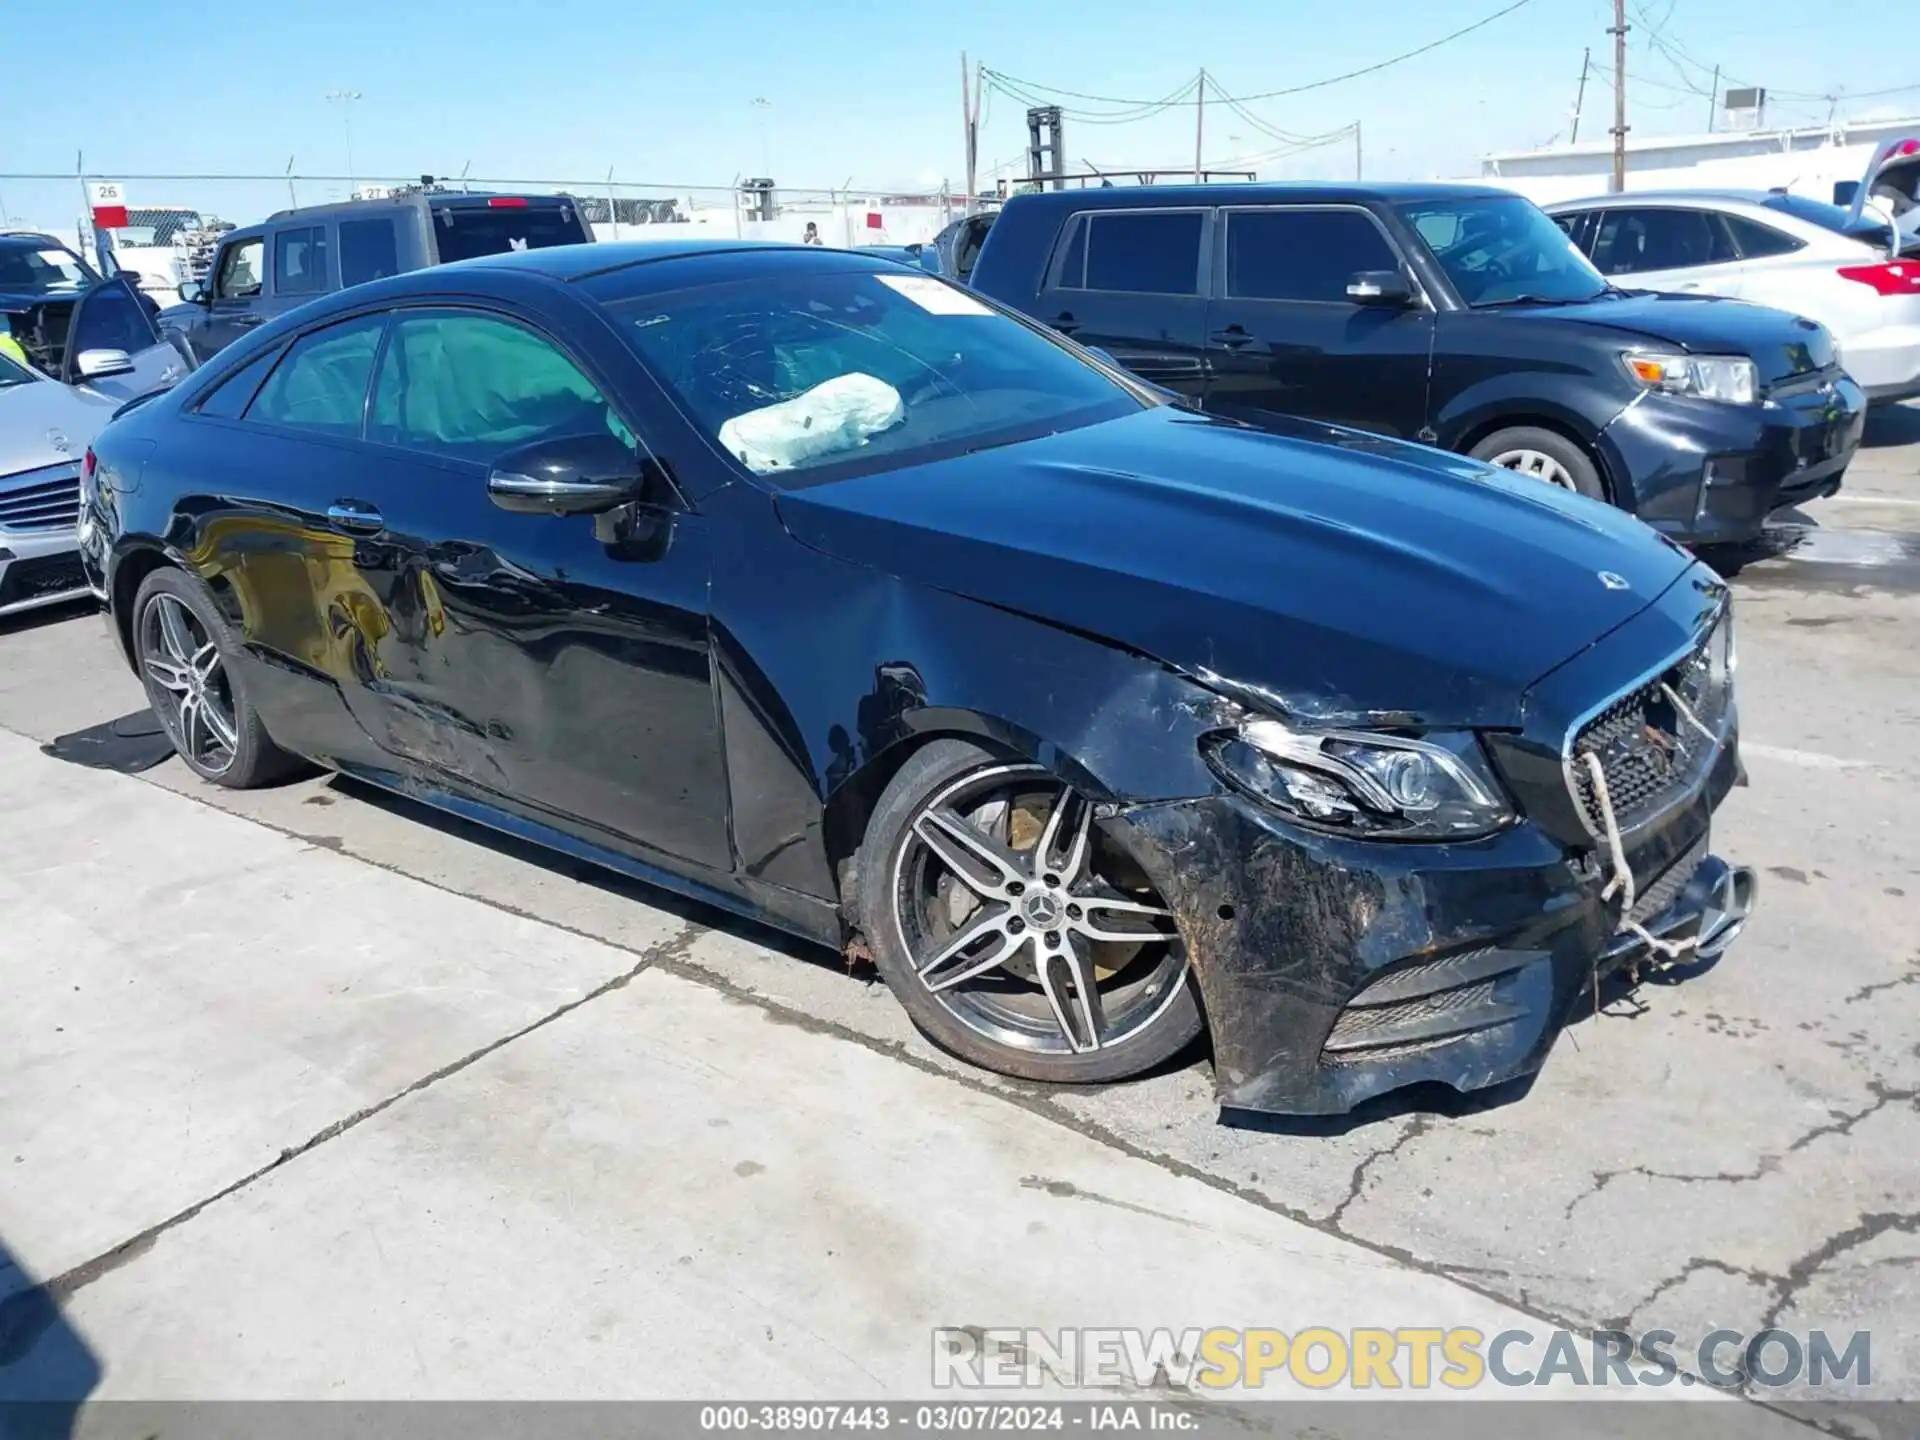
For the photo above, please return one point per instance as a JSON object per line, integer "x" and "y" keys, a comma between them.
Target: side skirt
{"x": 806, "y": 916}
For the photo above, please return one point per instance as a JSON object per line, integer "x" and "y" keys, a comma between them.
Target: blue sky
{"x": 871, "y": 91}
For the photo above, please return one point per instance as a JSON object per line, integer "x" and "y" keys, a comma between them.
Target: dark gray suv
{"x": 296, "y": 255}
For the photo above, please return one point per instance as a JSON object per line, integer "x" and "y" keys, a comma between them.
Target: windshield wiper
{"x": 1530, "y": 300}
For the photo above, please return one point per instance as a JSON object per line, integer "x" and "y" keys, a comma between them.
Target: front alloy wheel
{"x": 1016, "y": 932}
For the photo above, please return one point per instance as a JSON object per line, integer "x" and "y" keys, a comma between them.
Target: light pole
{"x": 344, "y": 99}
{"x": 761, "y": 105}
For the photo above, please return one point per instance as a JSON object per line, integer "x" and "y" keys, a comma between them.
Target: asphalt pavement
{"x": 308, "y": 1092}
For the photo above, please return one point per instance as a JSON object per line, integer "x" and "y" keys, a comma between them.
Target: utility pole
{"x": 1713, "y": 99}
{"x": 1199, "y": 125}
{"x": 969, "y": 127}
{"x": 345, "y": 99}
{"x": 1356, "y": 149}
{"x": 1619, "y": 33}
{"x": 1580, "y": 95}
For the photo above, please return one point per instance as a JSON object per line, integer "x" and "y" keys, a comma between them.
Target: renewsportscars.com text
{"x": 1411, "y": 1358}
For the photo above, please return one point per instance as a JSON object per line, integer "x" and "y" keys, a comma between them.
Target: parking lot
{"x": 231, "y": 1003}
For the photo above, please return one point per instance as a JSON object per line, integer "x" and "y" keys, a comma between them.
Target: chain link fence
{"x": 175, "y": 220}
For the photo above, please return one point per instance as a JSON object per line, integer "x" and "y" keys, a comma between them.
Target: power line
{"x": 1375, "y": 68}
{"x": 1479, "y": 24}
{"x": 1027, "y": 94}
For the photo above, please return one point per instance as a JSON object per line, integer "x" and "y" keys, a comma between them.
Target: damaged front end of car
{"x": 1369, "y": 906}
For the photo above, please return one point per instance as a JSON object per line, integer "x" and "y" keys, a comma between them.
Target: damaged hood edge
{"x": 1335, "y": 584}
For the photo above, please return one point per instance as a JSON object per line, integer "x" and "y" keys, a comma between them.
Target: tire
{"x": 182, "y": 648}
{"x": 1530, "y": 450}
{"x": 1065, "y": 906}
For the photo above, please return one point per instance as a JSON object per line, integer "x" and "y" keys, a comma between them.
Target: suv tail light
{"x": 506, "y": 202}
{"x": 87, "y": 467}
{"x": 1895, "y": 277}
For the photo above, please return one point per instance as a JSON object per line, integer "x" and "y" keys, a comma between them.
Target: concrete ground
{"x": 309, "y": 1092}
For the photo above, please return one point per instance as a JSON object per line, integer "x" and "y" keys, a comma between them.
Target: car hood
{"x": 45, "y": 423}
{"x": 1323, "y": 573}
{"x": 1781, "y": 345}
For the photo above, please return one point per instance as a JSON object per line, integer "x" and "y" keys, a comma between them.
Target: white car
{"x": 101, "y": 350}
{"x": 1787, "y": 251}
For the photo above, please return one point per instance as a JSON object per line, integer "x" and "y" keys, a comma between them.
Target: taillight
{"x": 87, "y": 465}
{"x": 506, "y": 202}
{"x": 1895, "y": 277}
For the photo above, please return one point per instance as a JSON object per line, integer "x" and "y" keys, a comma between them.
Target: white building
{"x": 1809, "y": 161}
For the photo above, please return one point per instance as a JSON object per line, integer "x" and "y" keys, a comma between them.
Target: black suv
{"x": 1455, "y": 315}
{"x": 296, "y": 255}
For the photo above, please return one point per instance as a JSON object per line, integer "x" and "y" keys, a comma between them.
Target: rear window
{"x": 465, "y": 231}
{"x": 1827, "y": 217}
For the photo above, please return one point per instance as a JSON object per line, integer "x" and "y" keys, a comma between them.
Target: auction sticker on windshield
{"x": 934, "y": 296}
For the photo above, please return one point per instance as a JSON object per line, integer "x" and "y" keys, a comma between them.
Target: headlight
{"x": 1731, "y": 378}
{"x": 1386, "y": 787}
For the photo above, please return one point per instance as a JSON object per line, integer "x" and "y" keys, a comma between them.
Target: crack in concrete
{"x": 1840, "y": 1122}
{"x": 1693, "y": 1267}
{"x": 1912, "y": 977}
{"x": 1801, "y": 1272}
{"x": 25, "y": 1315}
{"x": 1843, "y": 1122}
{"x": 1417, "y": 1126}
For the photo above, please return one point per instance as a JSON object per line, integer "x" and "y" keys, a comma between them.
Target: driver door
{"x": 113, "y": 347}
{"x": 237, "y": 282}
{"x": 1282, "y": 336}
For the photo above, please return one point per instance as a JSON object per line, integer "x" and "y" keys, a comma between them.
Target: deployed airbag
{"x": 838, "y": 414}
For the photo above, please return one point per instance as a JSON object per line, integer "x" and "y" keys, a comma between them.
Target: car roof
{"x": 1351, "y": 192}
{"x": 1678, "y": 197}
{"x": 671, "y": 263}
{"x": 456, "y": 199}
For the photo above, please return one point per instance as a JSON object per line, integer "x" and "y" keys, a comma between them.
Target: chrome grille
{"x": 39, "y": 500}
{"x": 1651, "y": 753}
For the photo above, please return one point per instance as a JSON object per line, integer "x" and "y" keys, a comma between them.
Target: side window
{"x": 300, "y": 261}
{"x": 228, "y": 400}
{"x": 321, "y": 385}
{"x": 368, "y": 251}
{"x": 1071, "y": 274}
{"x": 1758, "y": 241}
{"x": 242, "y": 266}
{"x": 471, "y": 387}
{"x": 1302, "y": 254}
{"x": 1146, "y": 252}
{"x": 1636, "y": 241}
{"x": 112, "y": 316}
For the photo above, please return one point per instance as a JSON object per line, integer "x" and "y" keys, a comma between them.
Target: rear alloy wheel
{"x": 1544, "y": 455}
{"x": 181, "y": 646}
{"x": 1012, "y": 928}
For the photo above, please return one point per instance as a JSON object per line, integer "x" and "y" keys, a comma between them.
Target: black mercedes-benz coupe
{"x": 832, "y": 594}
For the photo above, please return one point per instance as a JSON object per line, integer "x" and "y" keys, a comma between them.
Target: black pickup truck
{"x": 1458, "y": 316}
{"x": 299, "y": 255}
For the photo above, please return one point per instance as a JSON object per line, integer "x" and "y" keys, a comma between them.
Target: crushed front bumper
{"x": 1335, "y": 970}
{"x": 39, "y": 569}
{"x": 1705, "y": 473}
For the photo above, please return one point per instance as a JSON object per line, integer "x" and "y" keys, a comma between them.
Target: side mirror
{"x": 99, "y": 364}
{"x": 1388, "y": 289}
{"x": 1844, "y": 191}
{"x": 573, "y": 475}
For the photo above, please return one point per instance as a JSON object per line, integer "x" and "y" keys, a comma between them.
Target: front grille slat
{"x": 46, "y": 499}
{"x": 1651, "y": 754}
